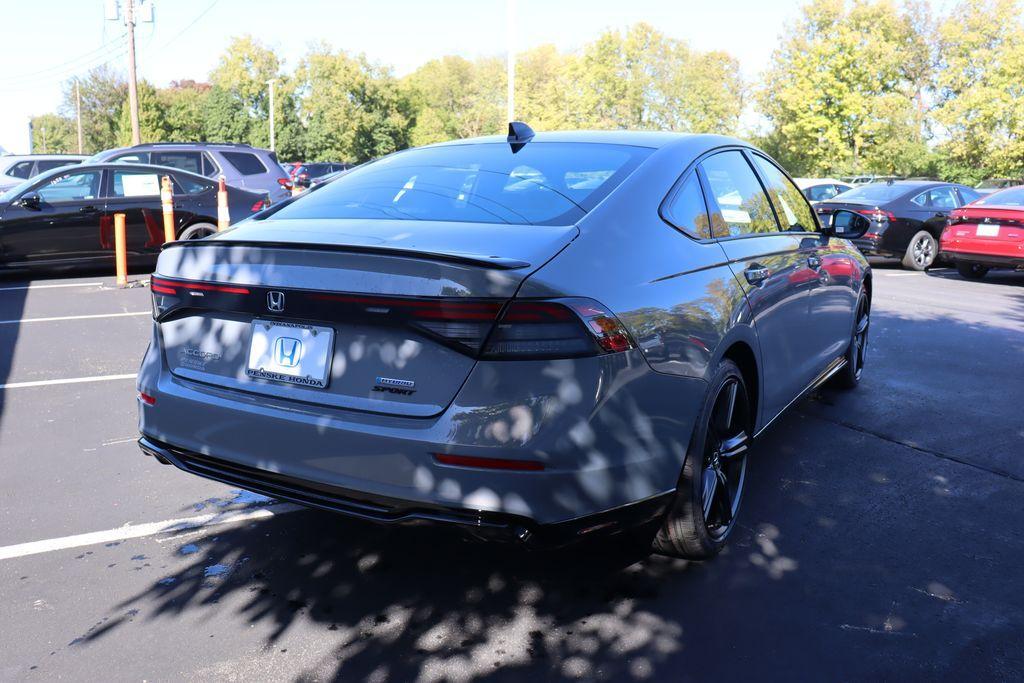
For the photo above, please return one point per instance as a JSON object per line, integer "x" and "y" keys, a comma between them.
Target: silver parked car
{"x": 249, "y": 168}
{"x": 539, "y": 339}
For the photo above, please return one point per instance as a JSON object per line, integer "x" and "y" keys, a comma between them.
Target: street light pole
{"x": 133, "y": 93}
{"x": 271, "y": 83}
{"x": 78, "y": 114}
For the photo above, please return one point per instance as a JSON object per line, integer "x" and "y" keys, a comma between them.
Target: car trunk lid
{"x": 406, "y": 305}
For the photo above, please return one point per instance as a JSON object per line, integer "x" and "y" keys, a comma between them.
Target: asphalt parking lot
{"x": 881, "y": 536}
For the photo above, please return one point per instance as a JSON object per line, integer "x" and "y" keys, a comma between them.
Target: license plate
{"x": 987, "y": 230}
{"x": 291, "y": 353}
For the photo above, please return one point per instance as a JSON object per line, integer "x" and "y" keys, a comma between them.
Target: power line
{"x": 88, "y": 56}
{"x": 180, "y": 33}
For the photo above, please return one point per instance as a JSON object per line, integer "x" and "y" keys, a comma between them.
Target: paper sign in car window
{"x": 138, "y": 185}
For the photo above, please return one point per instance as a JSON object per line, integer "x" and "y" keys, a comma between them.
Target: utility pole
{"x": 271, "y": 83}
{"x": 78, "y": 114}
{"x": 133, "y": 94}
{"x": 510, "y": 65}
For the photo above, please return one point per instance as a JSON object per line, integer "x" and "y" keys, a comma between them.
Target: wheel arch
{"x": 741, "y": 349}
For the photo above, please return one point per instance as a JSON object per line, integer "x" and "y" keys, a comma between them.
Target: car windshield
{"x": 543, "y": 183}
{"x": 1013, "y": 196}
{"x": 873, "y": 193}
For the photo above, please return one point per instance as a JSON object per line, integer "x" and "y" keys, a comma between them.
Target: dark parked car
{"x": 302, "y": 176}
{"x": 66, "y": 217}
{"x": 907, "y": 217}
{"x": 538, "y": 338}
{"x": 249, "y": 168}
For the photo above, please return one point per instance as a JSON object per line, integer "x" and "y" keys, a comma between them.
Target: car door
{"x": 64, "y": 226}
{"x": 931, "y": 208}
{"x": 771, "y": 267}
{"x": 135, "y": 192}
{"x": 832, "y": 291}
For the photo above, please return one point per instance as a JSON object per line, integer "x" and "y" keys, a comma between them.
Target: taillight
{"x": 877, "y": 215}
{"x": 285, "y": 183}
{"x": 563, "y": 328}
{"x": 260, "y": 205}
{"x": 168, "y": 294}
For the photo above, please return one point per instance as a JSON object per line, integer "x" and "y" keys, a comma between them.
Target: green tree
{"x": 456, "y": 98}
{"x": 104, "y": 92}
{"x": 54, "y": 134}
{"x": 183, "y": 104}
{"x": 844, "y": 89}
{"x": 979, "y": 87}
{"x": 241, "y": 92}
{"x": 152, "y": 117}
{"x": 352, "y": 110}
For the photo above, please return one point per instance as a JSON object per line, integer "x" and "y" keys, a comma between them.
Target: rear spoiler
{"x": 493, "y": 262}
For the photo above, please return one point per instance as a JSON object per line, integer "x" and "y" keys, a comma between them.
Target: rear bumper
{"x": 480, "y": 524}
{"x": 600, "y": 426}
{"x": 990, "y": 260}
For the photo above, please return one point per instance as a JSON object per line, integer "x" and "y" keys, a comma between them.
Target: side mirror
{"x": 847, "y": 224}
{"x": 31, "y": 201}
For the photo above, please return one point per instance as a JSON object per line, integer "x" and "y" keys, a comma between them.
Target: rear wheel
{"x": 197, "y": 231}
{"x": 921, "y": 251}
{"x": 710, "y": 487}
{"x": 971, "y": 270}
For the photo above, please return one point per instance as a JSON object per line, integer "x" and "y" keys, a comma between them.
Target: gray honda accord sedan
{"x": 536, "y": 338}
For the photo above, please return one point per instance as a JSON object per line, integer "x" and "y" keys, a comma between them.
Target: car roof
{"x": 178, "y": 146}
{"x": 40, "y": 157}
{"x": 120, "y": 166}
{"x": 635, "y": 138}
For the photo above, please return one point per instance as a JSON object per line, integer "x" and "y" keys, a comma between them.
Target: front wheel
{"x": 856, "y": 352}
{"x": 710, "y": 487}
{"x": 921, "y": 251}
{"x": 970, "y": 270}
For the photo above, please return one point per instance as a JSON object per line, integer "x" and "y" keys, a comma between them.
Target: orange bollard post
{"x": 120, "y": 251}
{"x": 167, "y": 201}
{"x": 223, "y": 214}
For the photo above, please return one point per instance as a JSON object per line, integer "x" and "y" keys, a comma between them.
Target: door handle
{"x": 813, "y": 262}
{"x": 88, "y": 209}
{"x": 941, "y": 214}
{"x": 756, "y": 274}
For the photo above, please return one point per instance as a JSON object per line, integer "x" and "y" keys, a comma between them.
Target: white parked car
{"x": 820, "y": 189}
{"x": 17, "y": 168}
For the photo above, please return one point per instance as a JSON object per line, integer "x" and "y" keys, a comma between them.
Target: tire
{"x": 197, "y": 231}
{"x": 856, "y": 352}
{"x": 698, "y": 523}
{"x": 921, "y": 251}
{"x": 971, "y": 270}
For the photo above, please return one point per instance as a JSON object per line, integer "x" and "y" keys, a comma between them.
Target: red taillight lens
{"x": 167, "y": 294}
{"x": 285, "y": 183}
{"x": 488, "y": 463}
{"x": 147, "y": 399}
{"x": 877, "y": 215}
{"x": 565, "y": 328}
{"x": 260, "y": 205}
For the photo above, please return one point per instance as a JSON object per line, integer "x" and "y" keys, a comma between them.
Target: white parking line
{"x": 51, "y": 286}
{"x": 73, "y": 317}
{"x": 71, "y": 380}
{"x": 149, "y": 529}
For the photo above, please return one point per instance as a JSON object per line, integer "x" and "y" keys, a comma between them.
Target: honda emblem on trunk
{"x": 275, "y": 302}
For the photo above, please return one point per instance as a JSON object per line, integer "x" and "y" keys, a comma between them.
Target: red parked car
{"x": 987, "y": 233}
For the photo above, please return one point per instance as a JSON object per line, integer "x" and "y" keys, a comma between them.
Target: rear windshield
{"x": 543, "y": 183}
{"x": 872, "y": 193}
{"x": 1011, "y": 197}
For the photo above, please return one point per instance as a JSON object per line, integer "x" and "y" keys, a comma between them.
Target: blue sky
{"x": 62, "y": 38}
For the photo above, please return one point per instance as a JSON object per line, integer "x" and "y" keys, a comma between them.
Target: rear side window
{"x": 792, "y": 209}
{"x": 743, "y": 207}
{"x": 937, "y": 198}
{"x": 135, "y": 184}
{"x": 969, "y": 195}
{"x": 1012, "y": 197}
{"x": 544, "y": 183}
{"x": 22, "y": 169}
{"x": 687, "y": 211}
{"x": 186, "y": 161}
{"x": 247, "y": 164}
{"x": 50, "y": 164}
{"x": 819, "y": 193}
{"x": 186, "y": 185}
